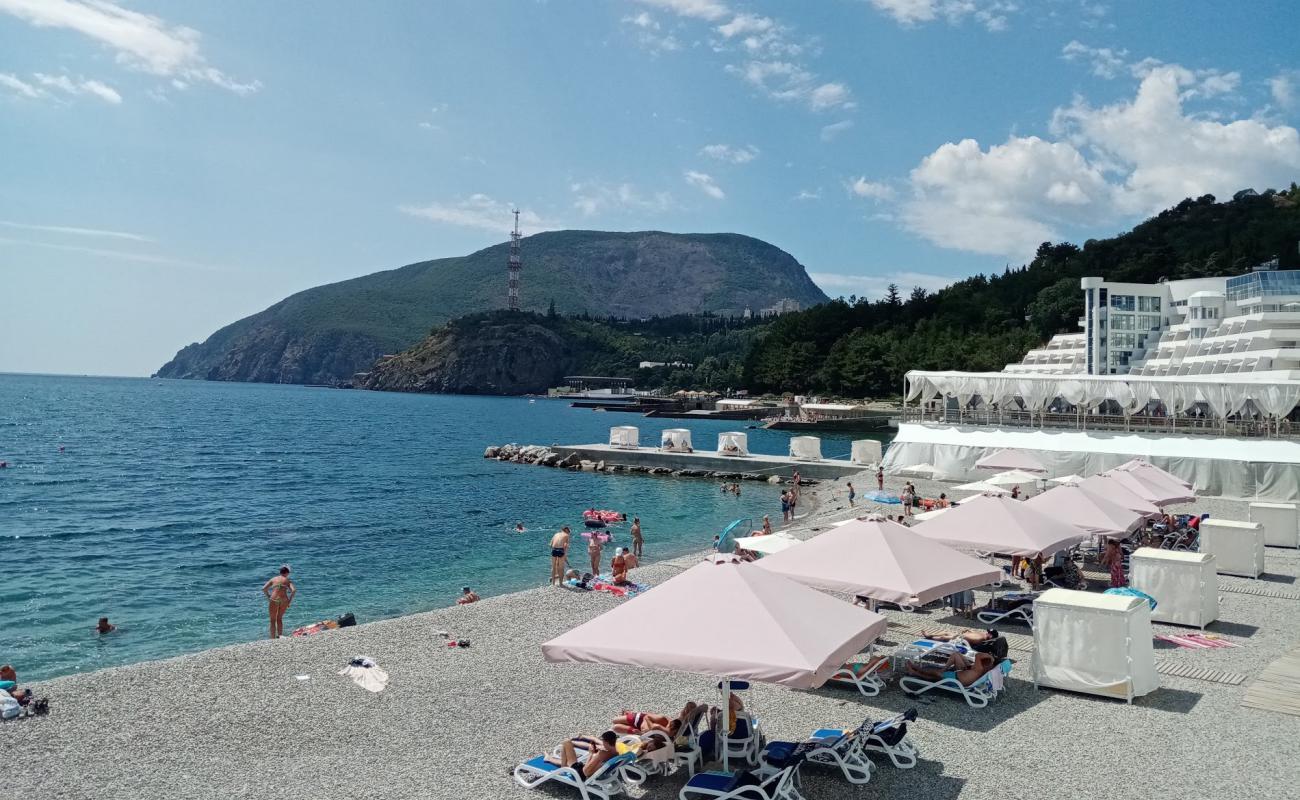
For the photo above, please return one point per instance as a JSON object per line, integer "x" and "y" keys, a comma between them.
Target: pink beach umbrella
{"x": 881, "y": 560}
{"x": 1141, "y": 467}
{"x": 776, "y": 630}
{"x": 1000, "y": 525}
{"x": 1119, "y": 491}
{"x": 1094, "y": 514}
{"x": 1160, "y": 493}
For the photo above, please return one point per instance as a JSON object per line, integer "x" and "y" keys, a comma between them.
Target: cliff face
{"x": 326, "y": 334}
{"x": 480, "y": 356}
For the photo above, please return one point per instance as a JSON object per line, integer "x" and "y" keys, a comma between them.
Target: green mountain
{"x": 329, "y": 333}
{"x": 863, "y": 348}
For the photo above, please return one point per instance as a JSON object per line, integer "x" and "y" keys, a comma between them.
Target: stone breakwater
{"x": 542, "y": 456}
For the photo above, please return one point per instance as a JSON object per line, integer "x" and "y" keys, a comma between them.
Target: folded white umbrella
{"x": 1001, "y": 525}
{"x": 884, "y": 561}
{"x": 983, "y": 487}
{"x": 772, "y": 543}
{"x": 1013, "y": 477}
{"x": 1011, "y": 459}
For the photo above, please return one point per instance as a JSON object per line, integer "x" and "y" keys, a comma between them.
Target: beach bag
{"x": 9, "y": 707}
{"x": 994, "y": 647}
{"x": 347, "y": 620}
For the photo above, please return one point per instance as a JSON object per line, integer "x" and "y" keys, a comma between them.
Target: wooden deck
{"x": 1278, "y": 687}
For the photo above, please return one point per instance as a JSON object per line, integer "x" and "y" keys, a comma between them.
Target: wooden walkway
{"x": 1278, "y": 687}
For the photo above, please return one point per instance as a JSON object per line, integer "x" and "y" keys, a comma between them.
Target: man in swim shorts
{"x": 637, "y": 540}
{"x": 559, "y": 554}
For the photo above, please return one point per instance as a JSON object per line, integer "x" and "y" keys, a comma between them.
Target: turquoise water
{"x": 166, "y": 504}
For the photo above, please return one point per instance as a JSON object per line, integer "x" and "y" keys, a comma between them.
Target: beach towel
{"x": 366, "y": 674}
{"x": 997, "y": 679}
{"x": 882, "y": 497}
{"x": 605, "y": 583}
{"x": 1197, "y": 641}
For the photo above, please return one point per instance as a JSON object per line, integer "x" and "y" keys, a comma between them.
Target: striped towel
{"x": 1197, "y": 641}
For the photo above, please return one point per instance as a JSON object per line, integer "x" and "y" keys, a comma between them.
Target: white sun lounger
{"x": 1021, "y": 613}
{"x": 869, "y": 681}
{"x": 977, "y": 695}
{"x": 902, "y": 753}
{"x": 827, "y": 746}
{"x": 729, "y": 786}
{"x": 608, "y": 781}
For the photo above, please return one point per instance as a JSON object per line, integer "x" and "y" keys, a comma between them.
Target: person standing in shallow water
{"x": 637, "y": 541}
{"x": 559, "y": 554}
{"x": 594, "y": 548}
{"x": 279, "y": 593}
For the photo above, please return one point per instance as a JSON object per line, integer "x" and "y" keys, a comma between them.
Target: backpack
{"x": 994, "y": 647}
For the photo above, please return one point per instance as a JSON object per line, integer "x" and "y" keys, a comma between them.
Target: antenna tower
{"x": 514, "y": 266}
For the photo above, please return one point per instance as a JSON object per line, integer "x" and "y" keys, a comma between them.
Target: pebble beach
{"x": 274, "y": 719}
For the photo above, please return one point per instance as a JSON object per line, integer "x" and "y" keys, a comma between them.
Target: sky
{"x": 169, "y": 167}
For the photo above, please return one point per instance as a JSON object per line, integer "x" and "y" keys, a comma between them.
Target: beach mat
{"x": 1196, "y": 641}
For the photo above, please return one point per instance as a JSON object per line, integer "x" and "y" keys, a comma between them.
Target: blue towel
{"x": 720, "y": 782}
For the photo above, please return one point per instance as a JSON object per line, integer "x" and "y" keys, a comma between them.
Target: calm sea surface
{"x": 166, "y": 504}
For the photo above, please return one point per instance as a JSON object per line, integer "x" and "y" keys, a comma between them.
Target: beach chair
{"x": 1011, "y": 608}
{"x": 978, "y": 695}
{"x": 889, "y": 737}
{"x": 827, "y": 746}
{"x": 608, "y": 781}
{"x": 745, "y": 741}
{"x": 868, "y": 678}
{"x": 745, "y": 785}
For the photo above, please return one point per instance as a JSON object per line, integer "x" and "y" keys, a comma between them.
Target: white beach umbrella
{"x": 772, "y": 543}
{"x": 776, "y": 630}
{"x": 1066, "y": 479}
{"x": 1011, "y": 459}
{"x": 1013, "y": 477}
{"x": 927, "y": 471}
{"x": 982, "y": 487}
{"x": 931, "y": 514}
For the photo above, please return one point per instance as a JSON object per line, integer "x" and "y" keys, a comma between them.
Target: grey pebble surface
{"x": 236, "y": 722}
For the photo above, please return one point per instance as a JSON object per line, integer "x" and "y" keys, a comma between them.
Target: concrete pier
{"x": 710, "y": 461}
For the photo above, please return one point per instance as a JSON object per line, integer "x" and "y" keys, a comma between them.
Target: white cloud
{"x": 1106, "y": 165}
{"x": 808, "y": 194}
{"x": 877, "y": 190}
{"x": 1283, "y": 88}
{"x": 705, "y": 183}
{"x": 142, "y": 41}
{"x": 707, "y": 10}
{"x": 19, "y": 86}
{"x": 877, "y": 286}
{"x": 734, "y": 155}
{"x": 1105, "y": 62}
{"x": 992, "y": 14}
{"x": 118, "y": 255}
{"x": 41, "y": 85}
{"x": 791, "y": 82}
{"x": 829, "y": 132}
{"x": 646, "y": 29}
{"x": 591, "y": 198}
{"x": 642, "y": 20}
{"x": 481, "y": 212}
{"x": 743, "y": 24}
{"x": 71, "y": 231}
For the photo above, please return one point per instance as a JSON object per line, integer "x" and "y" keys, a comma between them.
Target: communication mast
{"x": 514, "y": 265}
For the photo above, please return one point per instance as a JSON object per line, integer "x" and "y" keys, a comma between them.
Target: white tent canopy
{"x": 806, "y": 448}
{"x": 1012, "y": 460}
{"x": 1224, "y": 394}
{"x": 733, "y": 443}
{"x": 1095, "y": 643}
{"x": 627, "y": 436}
{"x": 983, "y": 487}
{"x": 884, "y": 561}
{"x": 675, "y": 439}
{"x": 1000, "y": 525}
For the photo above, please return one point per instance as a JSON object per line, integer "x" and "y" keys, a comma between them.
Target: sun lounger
{"x": 1017, "y": 609}
{"x": 608, "y": 781}
{"x": 868, "y": 679}
{"x": 743, "y": 742}
{"x": 827, "y": 746}
{"x": 781, "y": 785}
{"x": 977, "y": 695}
{"x": 890, "y": 738}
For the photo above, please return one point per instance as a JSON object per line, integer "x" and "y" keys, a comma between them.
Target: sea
{"x": 165, "y": 505}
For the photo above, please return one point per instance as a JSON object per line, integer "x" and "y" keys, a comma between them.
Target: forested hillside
{"x": 863, "y": 348}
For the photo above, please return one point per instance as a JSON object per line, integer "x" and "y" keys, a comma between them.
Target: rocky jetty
{"x": 541, "y": 456}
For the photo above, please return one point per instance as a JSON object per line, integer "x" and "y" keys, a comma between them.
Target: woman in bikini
{"x": 279, "y": 593}
{"x": 638, "y": 722}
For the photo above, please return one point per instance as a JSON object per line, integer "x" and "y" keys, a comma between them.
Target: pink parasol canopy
{"x": 1119, "y": 492}
{"x": 881, "y": 560}
{"x": 1140, "y": 467}
{"x": 1000, "y": 525}
{"x": 1011, "y": 459}
{"x": 1093, "y": 513}
{"x": 775, "y": 630}
{"x": 1151, "y": 488}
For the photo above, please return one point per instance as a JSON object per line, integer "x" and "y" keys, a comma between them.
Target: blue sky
{"x": 170, "y": 167}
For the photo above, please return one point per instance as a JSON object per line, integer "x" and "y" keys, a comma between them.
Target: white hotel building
{"x": 1200, "y": 376}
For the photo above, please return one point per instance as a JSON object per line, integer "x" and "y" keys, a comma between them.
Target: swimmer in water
{"x": 519, "y": 527}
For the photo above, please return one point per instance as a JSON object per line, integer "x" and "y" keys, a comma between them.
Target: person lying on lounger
{"x": 957, "y": 668}
{"x": 638, "y": 722}
{"x": 598, "y": 751}
{"x": 860, "y": 669}
{"x": 970, "y": 635}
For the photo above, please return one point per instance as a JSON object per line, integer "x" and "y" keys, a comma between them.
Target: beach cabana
{"x": 806, "y": 448}
{"x": 982, "y": 487}
{"x": 625, "y": 436}
{"x": 767, "y": 545}
{"x": 775, "y": 631}
{"x": 1000, "y": 525}
{"x": 1237, "y": 547}
{"x": 926, "y": 471}
{"x": 1118, "y": 492}
{"x": 733, "y": 443}
{"x": 865, "y": 451}
{"x": 675, "y": 440}
{"x": 883, "y": 561}
{"x": 1093, "y": 514}
{"x": 1184, "y": 585}
{"x": 1013, "y": 477}
{"x": 1011, "y": 459}
{"x": 1280, "y": 521}
{"x": 1094, "y": 643}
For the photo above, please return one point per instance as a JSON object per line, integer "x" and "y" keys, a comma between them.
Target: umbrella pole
{"x": 726, "y": 722}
